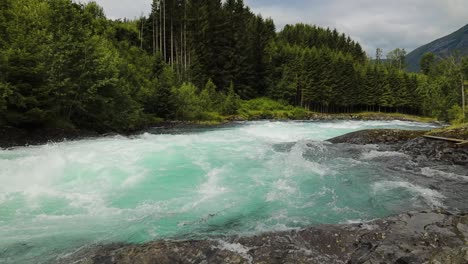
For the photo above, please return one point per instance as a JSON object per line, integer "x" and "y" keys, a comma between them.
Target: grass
{"x": 398, "y": 116}
{"x": 264, "y": 108}
{"x": 459, "y": 126}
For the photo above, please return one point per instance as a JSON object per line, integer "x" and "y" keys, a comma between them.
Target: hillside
{"x": 441, "y": 47}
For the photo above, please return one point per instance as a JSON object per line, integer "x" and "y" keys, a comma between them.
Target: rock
{"x": 460, "y": 132}
{"x": 408, "y": 238}
{"x": 409, "y": 142}
{"x": 377, "y": 136}
{"x": 453, "y": 256}
{"x": 435, "y": 150}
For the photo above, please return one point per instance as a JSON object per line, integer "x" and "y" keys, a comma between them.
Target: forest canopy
{"x": 64, "y": 64}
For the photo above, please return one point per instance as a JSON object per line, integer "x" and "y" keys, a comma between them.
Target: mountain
{"x": 457, "y": 41}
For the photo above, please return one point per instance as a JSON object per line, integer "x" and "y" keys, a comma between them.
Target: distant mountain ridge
{"x": 457, "y": 41}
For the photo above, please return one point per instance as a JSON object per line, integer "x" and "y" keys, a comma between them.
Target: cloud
{"x": 374, "y": 23}
{"x": 123, "y": 8}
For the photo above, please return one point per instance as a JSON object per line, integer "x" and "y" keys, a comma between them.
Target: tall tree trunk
{"x": 154, "y": 34}
{"x": 160, "y": 29}
{"x": 141, "y": 33}
{"x": 463, "y": 96}
{"x": 189, "y": 61}
{"x": 164, "y": 21}
{"x": 176, "y": 62}
{"x": 172, "y": 38}
{"x": 181, "y": 46}
{"x": 185, "y": 35}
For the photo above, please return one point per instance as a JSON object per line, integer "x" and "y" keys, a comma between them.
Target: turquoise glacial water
{"x": 236, "y": 180}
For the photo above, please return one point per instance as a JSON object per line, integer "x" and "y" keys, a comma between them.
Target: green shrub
{"x": 264, "y": 104}
{"x": 455, "y": 115}
{"x": 231, "y": 102}
{"x": 264, "y": 108}
{"x": 189, "y": 106}
{"x": 299, "y": 114}
{"x": 210, "y": 116}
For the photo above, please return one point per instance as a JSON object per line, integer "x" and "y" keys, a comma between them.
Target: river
{"x": 239, "y": 179}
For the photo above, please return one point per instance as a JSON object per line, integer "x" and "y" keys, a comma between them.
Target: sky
{"x": 386, "y": 24}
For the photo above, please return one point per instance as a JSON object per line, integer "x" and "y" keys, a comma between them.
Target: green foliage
{"x": 160, "y": 100}
{"x": 206, "y": 105}
{"x": 455, "y": 115}
{"x": 397, "y": 58}
{"x": 232, "y": 102}
{"x": 307, "y": 36}
{"x": 464, "y": 67}
{"x": 264, "y": 108}
{"x": 331, "y": 78}
{"x": 5, "y": 92}
{"x": 209, "y": 98}
{"x": 427, "y": 63}
{"x": 442, "y": 90}
{"x": 264, "y": 104}
{"x": 188, "y": 101}
{"x": 230, "y": 44}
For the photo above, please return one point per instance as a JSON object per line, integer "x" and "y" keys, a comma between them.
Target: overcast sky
{"x": 387, "y": 24}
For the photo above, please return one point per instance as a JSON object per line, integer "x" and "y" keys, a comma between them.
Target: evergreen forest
{"x": 64, "y": 64}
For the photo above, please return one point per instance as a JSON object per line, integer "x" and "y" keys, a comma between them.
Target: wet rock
{"x": 377, "y": 136}
{"x": 407, "y": 238}
{"x": 435, "y": 150}
{"x": 411, "y": 143}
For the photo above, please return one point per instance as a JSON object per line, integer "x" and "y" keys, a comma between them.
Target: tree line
{"x": 64, "y": 64}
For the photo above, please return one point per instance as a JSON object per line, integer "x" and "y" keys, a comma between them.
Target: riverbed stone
{"x": 411, "y": 143}
{"x": 377, "y": 136}
{"x": 419, "y": 237}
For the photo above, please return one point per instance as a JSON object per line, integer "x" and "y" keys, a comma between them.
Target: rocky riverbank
{"x": 413, "y": 143}
{"x": 424, "y": 237}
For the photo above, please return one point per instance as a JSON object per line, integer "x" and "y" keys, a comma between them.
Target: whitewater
{"x": 239, "y": 179}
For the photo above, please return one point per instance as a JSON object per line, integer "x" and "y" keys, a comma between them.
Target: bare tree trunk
{"x": 185, "y": 50}
{"x": 175, "y": 62}
{"x": 157, "y": 33}
{"x": 141, "y": 33}
{"x": 181, "y": 46}
{"x": 188, "y": 49}
{"x": 154, "y": 34}
{"x": 189, "y": 61}
{"x": 185, "y": 35}
{"x": 463, "y": 96}
{"x": 302, "y": 98}
{"x": 164, "y": 21}
{"x": 160, "y": 29}
{"x": 172, "y": 39}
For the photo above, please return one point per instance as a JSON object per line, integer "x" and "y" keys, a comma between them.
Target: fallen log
{"x": 459, "y": 142}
